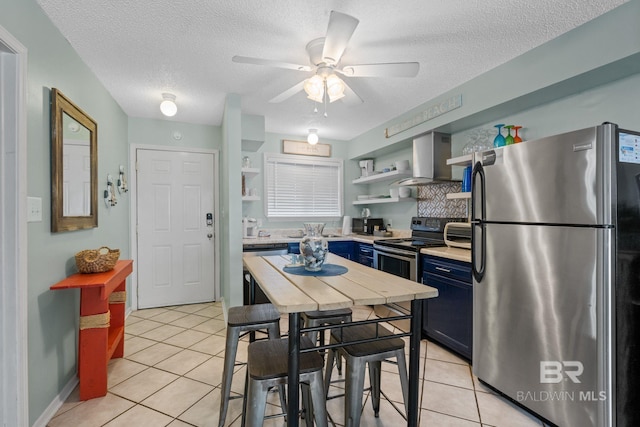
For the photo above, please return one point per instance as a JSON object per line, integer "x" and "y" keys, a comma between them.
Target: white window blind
{"x": 298, "y": 186}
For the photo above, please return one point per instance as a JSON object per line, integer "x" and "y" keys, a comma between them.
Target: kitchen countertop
{"x": 333, "y": 238}
{"x": 458, "y": 254}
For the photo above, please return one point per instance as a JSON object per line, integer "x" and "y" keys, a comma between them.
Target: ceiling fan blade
{"x": 350, "y": 97}
{"x": 288, "y": 93}
{"x": 339, "y": 32}
{"x": 392, "y": 69}
{"x": 270, "y": 63}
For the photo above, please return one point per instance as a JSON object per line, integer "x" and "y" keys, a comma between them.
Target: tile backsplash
{"x": 433, "y": 202}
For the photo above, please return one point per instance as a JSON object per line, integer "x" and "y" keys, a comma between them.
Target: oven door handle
{"x": 387, "y": 250}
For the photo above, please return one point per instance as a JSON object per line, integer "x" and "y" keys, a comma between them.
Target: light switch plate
{"x": 34, "y": 209}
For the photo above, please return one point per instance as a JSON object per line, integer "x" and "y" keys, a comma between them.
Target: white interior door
{"x": 175, "y": 192}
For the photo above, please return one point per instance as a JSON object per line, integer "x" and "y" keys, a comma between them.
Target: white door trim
{"x": 134, "y": 211}
{"x": 14, "y": 380}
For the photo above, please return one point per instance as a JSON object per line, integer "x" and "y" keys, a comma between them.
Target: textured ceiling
{"x": 141, "y": 48}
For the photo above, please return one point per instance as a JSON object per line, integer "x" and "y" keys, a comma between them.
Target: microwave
{"x": 457, "y": 235}
{"x": 366, "y": 225}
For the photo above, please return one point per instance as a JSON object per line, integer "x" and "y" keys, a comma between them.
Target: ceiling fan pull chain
{"x": 324, "y": 98}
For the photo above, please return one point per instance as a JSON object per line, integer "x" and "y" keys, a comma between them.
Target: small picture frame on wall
{"x": 305, "y": 149}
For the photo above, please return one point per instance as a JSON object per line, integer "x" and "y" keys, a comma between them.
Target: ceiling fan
{"x": 325, "y": 54}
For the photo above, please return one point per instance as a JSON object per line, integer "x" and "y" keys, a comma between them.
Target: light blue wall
{"x": 53, "y": 316}
{"x": 231, "y": 203}
{"x": 162, "y": 132}
{"x": 273, "y": 144}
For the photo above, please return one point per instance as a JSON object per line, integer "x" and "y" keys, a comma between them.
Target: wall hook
{"x": 122, "y": 181}
{"x": 110, "y": 193}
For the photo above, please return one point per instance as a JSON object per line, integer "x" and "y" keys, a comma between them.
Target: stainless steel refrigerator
{"x": 556, "y": 266}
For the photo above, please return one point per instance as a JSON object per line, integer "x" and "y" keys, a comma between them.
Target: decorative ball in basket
{"x": 97, "y": 260}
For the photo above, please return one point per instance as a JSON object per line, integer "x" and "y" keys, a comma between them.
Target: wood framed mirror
{"x": 74, "y": 166}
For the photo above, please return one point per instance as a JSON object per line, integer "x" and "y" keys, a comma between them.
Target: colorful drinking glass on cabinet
{"x": 499, "y": 140}
{"x": 516, "y": 138}
{"x": 509, "y": 139}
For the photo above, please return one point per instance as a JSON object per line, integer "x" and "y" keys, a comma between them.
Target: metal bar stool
{"x": 357, "y": 356}
{"x": 268, "y": 366}
{"x": 243, "y": 319}
{"x": 325, "y": 317}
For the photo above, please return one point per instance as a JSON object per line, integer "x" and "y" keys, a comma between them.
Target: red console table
{"x": 102, "y": 298}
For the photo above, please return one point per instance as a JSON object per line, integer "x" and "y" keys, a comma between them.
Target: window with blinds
{"x": 298, "y": 186}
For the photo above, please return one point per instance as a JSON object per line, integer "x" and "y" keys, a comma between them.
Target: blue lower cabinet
{"x": 363, "y": 253}
{"x": 343, "y": 249}
{"x": 448, "y": 319}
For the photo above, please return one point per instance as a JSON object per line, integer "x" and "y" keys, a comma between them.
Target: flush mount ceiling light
{"x": 168, "y": 105}
{"x": 312, "y": 138}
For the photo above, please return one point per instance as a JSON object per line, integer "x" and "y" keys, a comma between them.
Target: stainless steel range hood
{"x": 430, "y": 154}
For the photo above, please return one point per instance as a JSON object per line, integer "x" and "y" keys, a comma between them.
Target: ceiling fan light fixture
{"x": 312, "y": 137}
{"x": 335, "y": 88}
{"x": 314, "y": 87}
{"x": 168, "y": 106}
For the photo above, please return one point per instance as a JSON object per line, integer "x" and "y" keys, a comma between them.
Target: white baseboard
{"x": 57, "y": 402}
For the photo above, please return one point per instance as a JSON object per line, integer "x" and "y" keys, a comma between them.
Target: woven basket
{"x": 97, "y": 260}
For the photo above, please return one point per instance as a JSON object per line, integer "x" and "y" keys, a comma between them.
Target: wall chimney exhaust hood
{"x": 430, "y": 154}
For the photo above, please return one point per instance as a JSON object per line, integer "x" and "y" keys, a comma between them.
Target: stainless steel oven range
{"x": 401, "y": 257}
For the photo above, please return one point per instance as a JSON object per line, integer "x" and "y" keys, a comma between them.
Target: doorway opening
{"x": 13, "y": 232}
{"x": 175, "y": 212}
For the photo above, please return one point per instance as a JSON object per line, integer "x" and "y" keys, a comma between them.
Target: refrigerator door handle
{"x": 477, "y": 178}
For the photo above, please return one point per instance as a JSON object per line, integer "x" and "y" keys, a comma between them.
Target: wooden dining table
{"x": 360, "y": 285}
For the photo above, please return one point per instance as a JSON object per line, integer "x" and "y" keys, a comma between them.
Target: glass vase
{"x": 313, "y": 247}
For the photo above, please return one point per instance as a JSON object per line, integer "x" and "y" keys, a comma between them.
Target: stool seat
{"x": 268, "y": 359}
{"x": 367, "y": 331}
{"x": 252, "y": 315}
{"x": 322, "y": 314}
{"x": 268, "y": 367}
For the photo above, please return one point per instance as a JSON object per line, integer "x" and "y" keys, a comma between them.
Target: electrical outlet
{"x": 389, "y": 223}
{"x": 34, "y": 209}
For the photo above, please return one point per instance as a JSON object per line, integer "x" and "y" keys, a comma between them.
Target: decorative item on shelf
{"x": 244, "y": 186}
{"x": 122, "y": 181}
{"x": 509, "y": 139}
{"x": 404, "y": 192}
{"x": 403, "y": 165}
{"x": 366, "y": 167}
{"x": 97, "y": 260}
{"x": 110, "y": 193}
{"x": 516, "y": 137}
{"x": 306, "y": 149}
{"x": 466, "y": 179}
{"x": 499, "y": 140}
{"x": 313, "y": 247}
{"x": 246, "y": 162}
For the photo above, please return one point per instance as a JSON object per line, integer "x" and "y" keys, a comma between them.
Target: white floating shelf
{"x": 383, "y": 200}
{"x": 466, "y": 195}
{"x": 250, "y": 172}
{"x": 385, "y": 176}
{"x": 250, "y": 198}
{"x": 460, "y": 160}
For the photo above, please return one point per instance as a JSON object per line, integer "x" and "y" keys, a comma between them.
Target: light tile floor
{"x": 172, "y": 369}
